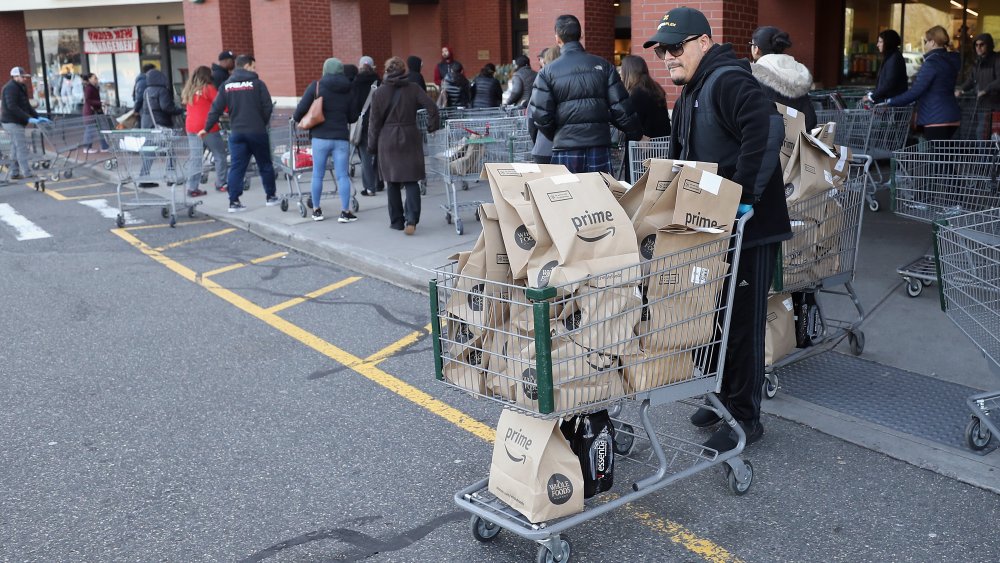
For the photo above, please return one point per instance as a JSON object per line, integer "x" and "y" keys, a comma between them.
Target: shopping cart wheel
{"x": 459, "y": 228}
{"x": 204, "y": 178}
{"x": 624, "y": 439}
{"x": 565, "y": 552}
{"x": 35, "y": 165}
{"x": 173, "y": 221}
{"x": 302, "y": 209}
{"x": 423, "y": 187}
{"x": 465, "y": 186}
{"x": 309, "y": 202}
{"x": 477, "y": 215}
{"x": 164, "y": 212}
{"x": 46, "y": 164}
{"x": 447, "y": 217}
{"x": 914, "y": 288}
{"x": 856, "y": 340}
{"x": 927, "y": 283}
{"x": 108, "y": 165}
{"x": 120, "y": 220}
{"x": 738, "y": 488}
{"x": 977, "y": 435}
{"x": 873, "y": 205}
{"x": 355, "y": 206}
{"x": 54, "y": 176}
{"x": 350, "y": 171}
{"x": 770, "y": 385}
{"x": 484, "y": 530}
{"x": 284, "y": 205}
{"x": 190, "y": 211}
{"x": 68, "y": 174}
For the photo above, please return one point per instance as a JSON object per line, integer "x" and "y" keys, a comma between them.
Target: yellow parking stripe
{"x": 71, "y": 198}
{"x": 83, "y": 187}
{"x": 195, "y": 239}
{"x": 166, "y": 226}
{"x": 373, "y": 373}
{"x": 398, "y": 345}
{"x": 680, "y": 535}
{"x": 313, "y": 295}
{"x": 239, "y": 265}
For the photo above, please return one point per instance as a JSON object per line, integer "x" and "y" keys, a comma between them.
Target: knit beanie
{"x": 333, "y": 66}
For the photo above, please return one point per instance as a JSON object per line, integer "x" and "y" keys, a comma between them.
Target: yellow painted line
{"x": 83, "y": 187}
{"x": 195, "y": 239}
{"x": 398, "y": 345}
{"x": 678, "y": 534}
{"x": 366, "y": 369}
{"x": 239, "y": 265}
{"x": 166, "y": 226}
{"x": 54, "y": 195}
{"x": 70, "y": 198}
{"x": 313, "y": 295}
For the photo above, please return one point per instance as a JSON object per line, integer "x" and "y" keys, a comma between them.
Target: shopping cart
{"x": 968, "y": 257}
{"x": 153, "y": 155}
{"x": 65, "y": 137}
{"x": 977, "y": 122}
{"x": 838, "y": 98}
{"x": 291, "y": 151}
{"x": 459, "y": 150}
{"x": 821, "y": 257}
{"x": 875, "y": 132}
{"x": 582, "y": 365}
{"x": 641, "y": 151}
{"x": 937, "y": 180}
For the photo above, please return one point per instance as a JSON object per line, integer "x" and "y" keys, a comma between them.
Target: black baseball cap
{"x": 226, "y": 55}
{"x": 679, "y": 24}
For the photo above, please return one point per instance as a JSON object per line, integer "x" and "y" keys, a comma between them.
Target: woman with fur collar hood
{"x": 784, "y": 79}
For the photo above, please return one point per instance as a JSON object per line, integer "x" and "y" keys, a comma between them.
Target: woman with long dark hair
{"x": 92, "y": 107}
{"x": 198, "y": 95}
{"x": 892, "y": 73}
{"x": 648, "y": 98}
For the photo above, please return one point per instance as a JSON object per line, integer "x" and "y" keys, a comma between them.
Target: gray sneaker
{"x": 236, "y": 206}
{"x": 272, "y": 201}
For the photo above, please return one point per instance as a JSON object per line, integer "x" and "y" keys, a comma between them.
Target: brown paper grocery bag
{"x": 795, "y": 123}
{"x": 589, "y": 230}
{"x": 825, "y": 133}
{"x": 515, "y": 211}
{"x": 579, "y": 377}
{"x": 602, "y": 319}
{"x": 645, "y": 371}
{"x": 814, "y": 168}
{"x": 779, "y": 336}
{"x": 534, "y": 470}
{"x": 649, "y": 214}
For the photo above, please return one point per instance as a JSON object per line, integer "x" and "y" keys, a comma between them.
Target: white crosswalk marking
{"x": 26, "y": 230}
{"x": 106, "y": 210}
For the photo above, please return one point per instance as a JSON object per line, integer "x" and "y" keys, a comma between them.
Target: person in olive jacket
{"x": 576, "y": 99}
{"x": 393, "y": 135}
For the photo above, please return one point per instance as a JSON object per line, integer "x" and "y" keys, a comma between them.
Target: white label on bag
{"x": 792, "y": 112}
{"x": 699, "y": 275}
{"x": 565, "y": 179}
{"x": 843, "y": 160}
{"x": 788, "y": 304}
{"x": 690, "y": 163}
{"x": 710, "y": 183}
{"x": 828, "y": 177}
{"x": 526, "y": 168}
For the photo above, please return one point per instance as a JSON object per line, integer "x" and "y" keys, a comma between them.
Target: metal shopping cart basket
{"x": 977, "y": 122}
{"x": 154, "y": 155}
{"x": 65, "y": 137}
{"x": 967, "y": 248}
{"x": 556, "y": 351}
{"x": 941, "y": 179}
{"x": 876, "y": 132}
{"x": 641, "y": 151}
{"x": 291, "y": 151}
{"x": 459, "y": 150}
{"x": 820, "y": 258}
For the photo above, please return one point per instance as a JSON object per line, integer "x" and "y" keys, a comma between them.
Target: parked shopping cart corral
{"x": 459, "y": 150}
{"x": 66, "y": 136}
{"x": 820, "y": 261}
{"x": 876, "y": 132}
{"x": 968, "y": 251}
{"x": 584, "y": 365}
{"x": 157, "y": 156}
{"x": 978, "y": 122}
{"x": 641, "y": 151}
{"x": 291, "y": 151}
{"x": 941, "y": 179}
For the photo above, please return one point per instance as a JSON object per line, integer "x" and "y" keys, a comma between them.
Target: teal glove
{"x": 33, "y": 120}
{"x": 742, "y": 209}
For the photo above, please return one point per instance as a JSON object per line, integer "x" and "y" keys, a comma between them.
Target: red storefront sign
{"x": 104, "y": 40}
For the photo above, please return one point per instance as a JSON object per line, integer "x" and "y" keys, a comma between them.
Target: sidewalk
{"x": 903, "y": 397}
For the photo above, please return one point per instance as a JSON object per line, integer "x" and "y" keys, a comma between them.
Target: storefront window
{"x": 37, "y": 70}
{"x": 128, "y": 70}
{"x": 62, "y": 64}
{"x": 149, "y": 37}
{"x": 103, "y": 66}
{"x": 177, "y": 43}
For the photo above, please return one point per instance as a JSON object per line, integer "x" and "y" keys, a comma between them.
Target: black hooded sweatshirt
{"x": 249, "y": 103}
{"x": 161, "y": 109}
{"x": 413, "y": 64}
{"x": 744, "y": 139}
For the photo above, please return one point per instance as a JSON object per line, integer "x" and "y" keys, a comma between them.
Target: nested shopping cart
{"x": 66, "y": 136}
{"x": 819, "y": 260}
{"x": 968, "y": 257}
{"x": 459, "y": 150}
{"x": 977, "y": 122}
{"x": 876, "y": 132}
{"x": 561, "y": 350}
{"x": 937, "y": 180}
{"x": 641, "y": 151}
{"x": 157, "y": 156}
{"x": 291, "y": 151}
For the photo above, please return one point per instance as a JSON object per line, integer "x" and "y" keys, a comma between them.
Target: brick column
{"x": 291, "y": 39}
{"x": 732, "y": 21}
{"x": 15, "y": 42}
{"x": 597, "y": 19}
{"x": 799, "y": 20}
{"x": 361, "y": 27}
{"x": 214, "y": 26}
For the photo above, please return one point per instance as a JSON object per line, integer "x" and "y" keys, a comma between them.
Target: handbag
{"x": 314, "y": 116}
{"x": 354, "y": 134}
{"x": 128, "y": 120}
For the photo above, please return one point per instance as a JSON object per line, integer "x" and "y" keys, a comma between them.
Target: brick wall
{"x": 596, "y": 19}
{"x": 15, "y": 42}
{"x": 376, "y": 32}
{"x": 292, "y": 38}
{"x": 799, "y": 20}
{"x": 424, "y": 29}
{"x": 214, "y": 26}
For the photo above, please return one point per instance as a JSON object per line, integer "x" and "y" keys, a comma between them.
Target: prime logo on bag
{"x": 560, "y": 489}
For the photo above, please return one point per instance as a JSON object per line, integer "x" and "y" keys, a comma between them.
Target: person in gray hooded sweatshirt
{"x": 785, "y": 80}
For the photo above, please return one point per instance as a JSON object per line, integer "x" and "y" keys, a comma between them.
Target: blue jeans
{"x": 241, "y": 147}
{"x": 341, "y": 150}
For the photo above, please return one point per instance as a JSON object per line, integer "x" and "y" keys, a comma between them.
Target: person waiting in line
{"x": 139, "y": 89}
{"x": 785, "y": 80}
{"x": 331, "y": 136}
{"x": 521, "y": 82}
{"x": 649, "y": 100}
{"x": 455, "y": 89}
{"x": 984, "y": 79}
{"x": 223, "y": 69}
{"x": 158, "y": 112}
{"x": 892, "y": 74}
{"x": 92, "y": 107}
{"x": 394, "y": 136}
{"x": 361, "y": 89}
{"x": 443, "y": 67}
{"x": 413, "y": 65}
{"x": 541, "y": 150}
{"x": 351, "y": 72}
{"x": 198, "y": 95}
{"x": 15, "y": 114}
{"x": 933, "y": 88}
{"x": 485, "y": 91}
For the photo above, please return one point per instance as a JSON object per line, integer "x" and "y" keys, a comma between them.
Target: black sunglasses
{"x": 675, "y": 50}
{"x": 980, "y": 44}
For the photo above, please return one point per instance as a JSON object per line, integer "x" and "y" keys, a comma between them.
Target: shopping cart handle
{"x": 742, "y": 220}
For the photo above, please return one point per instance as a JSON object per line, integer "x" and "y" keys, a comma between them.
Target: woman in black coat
{"x": 486, "y": 91}
{"x": 892, "y": 79}
{"x": 648, "y": 98}
{"x": 159, "y": 108}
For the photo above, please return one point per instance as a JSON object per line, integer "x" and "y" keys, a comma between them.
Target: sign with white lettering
{"x": 103, "y": 40}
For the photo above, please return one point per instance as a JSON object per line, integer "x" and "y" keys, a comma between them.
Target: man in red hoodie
{"x": 442, "y": 68}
